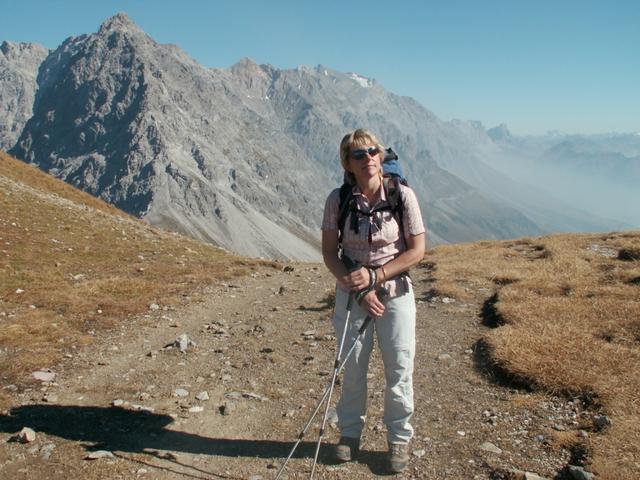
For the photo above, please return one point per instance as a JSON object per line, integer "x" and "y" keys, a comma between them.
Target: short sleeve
{"x": 330, "y": 217}
{"x": 412, "y": 217}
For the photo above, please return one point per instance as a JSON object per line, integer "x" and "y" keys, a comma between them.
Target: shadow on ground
{"x": 121, "y": 430}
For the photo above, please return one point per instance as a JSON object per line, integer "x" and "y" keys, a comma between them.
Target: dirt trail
{"x": 264, "y": 349}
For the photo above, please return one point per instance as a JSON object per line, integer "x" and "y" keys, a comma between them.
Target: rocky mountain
{"x": 19, "y": 64}
{"x": 245, "y": 156}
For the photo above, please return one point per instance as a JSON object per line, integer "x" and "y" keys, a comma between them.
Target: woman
{"x": 386, "y": 254}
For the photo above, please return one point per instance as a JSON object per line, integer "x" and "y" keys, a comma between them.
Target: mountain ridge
{"x": 245, "y": 156}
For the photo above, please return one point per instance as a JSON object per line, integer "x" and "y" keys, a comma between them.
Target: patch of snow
{"x": 362, "y": 81}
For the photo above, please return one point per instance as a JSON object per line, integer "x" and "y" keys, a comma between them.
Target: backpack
{"x": 392, "y": 177}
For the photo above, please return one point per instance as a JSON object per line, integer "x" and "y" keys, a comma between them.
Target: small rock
{"x": 443, "y": 357}
{"x": 117, "y": 403}
{"x": 50, "y": 398}
{"x": 533, "y": 476}
{"x": 47, "y": 450}
{"x": 196, "y": 409}
{"x": 490, "y": 447}
{"x": 461, "y": 433}
{"x": 182, "y": 342}
{"x": 154, "y": 306}
{"x": 254, "y": 396}
{"x": 19, "y": 291}
{"x": 419, "y": 453}
{"x": 142, "y": 471}
{"x": 227, "y": 408}
{"x": 579, "y": 473}
{"x": 601, "y": 421}
{"x": 288, "y": 268}
{"x": 202, "y": 396}
{"x": 448, "y": 300}
{"x": 332, "y": 416}
{"x": 99, "y": 454}
{"x": 143, "y": 408}
{"x": 181, "y": 392}
{"x": 267, "y": 350}
{"x": 44, "y": 376}
{"x": 26, "y": 435}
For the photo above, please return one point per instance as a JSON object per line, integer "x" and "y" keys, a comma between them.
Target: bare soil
{"x": 264, "y": 348}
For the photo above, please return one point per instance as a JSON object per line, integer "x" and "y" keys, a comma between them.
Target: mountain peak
{"x": 501, "y": 132}
{"x": 15, "y": 49}
{"x": 248, "y": 66}
{"x": 120, "y": 21}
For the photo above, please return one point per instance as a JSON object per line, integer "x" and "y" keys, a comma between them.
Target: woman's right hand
{"x": 355, "y": 281}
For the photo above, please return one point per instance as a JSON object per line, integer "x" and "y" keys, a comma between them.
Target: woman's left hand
{"x": 371, "y": 304}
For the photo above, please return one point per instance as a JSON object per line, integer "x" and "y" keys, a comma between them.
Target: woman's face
{"x": 364, "y": 161}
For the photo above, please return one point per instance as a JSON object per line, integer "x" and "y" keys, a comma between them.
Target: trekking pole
{"x": 361, "y": 331}
{"x": 336, "y": 367}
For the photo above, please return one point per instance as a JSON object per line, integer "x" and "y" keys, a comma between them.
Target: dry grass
{"x": 569, "y": 315}
{"x": 71, "y": 266}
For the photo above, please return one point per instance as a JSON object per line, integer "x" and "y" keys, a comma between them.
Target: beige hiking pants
{"x": 395, "y": 332}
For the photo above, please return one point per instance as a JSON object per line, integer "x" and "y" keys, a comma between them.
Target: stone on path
{"x": 202, "y": 396}
{"x": 182, "y": 342}
{"x": 26, "y": 435}
{"x": 181, "y": 392}
{"x": 99, "y": 454}
{"x": 47, "y": 450}
{"x": 490, "y": 447}
{"x": 44, "y": 376}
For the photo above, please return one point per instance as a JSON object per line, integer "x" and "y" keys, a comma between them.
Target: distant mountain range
{"x": 244, "y": 157}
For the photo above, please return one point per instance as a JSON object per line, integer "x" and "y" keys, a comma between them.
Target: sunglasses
{"x": 361, "y": 153}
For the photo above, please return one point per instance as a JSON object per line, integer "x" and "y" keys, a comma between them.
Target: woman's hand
{"x": 356, "y": 280}
{"x": 371, "y": 304}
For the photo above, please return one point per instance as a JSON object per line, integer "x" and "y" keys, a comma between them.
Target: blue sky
{"x": 571, "y": 65}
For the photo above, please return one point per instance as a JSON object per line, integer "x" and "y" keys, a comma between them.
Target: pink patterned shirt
{"x": 378, "y": 240}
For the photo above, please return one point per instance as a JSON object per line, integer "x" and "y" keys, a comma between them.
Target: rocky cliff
{"x": 19, "y": 63}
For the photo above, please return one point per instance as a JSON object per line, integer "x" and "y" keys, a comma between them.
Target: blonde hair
{"x": 356, "y": 138}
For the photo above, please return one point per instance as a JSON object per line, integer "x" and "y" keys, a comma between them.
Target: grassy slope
{"x": 71, "y": 265}
{"x": 567, "y": 311}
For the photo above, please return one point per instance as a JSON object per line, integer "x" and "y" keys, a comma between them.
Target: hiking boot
{"x": 346, "y": 449}
{"x": 398, "y": 457}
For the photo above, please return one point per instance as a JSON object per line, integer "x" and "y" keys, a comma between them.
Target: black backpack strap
{"x": 391, "y": 186}
{"x": 346, "y": 204}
